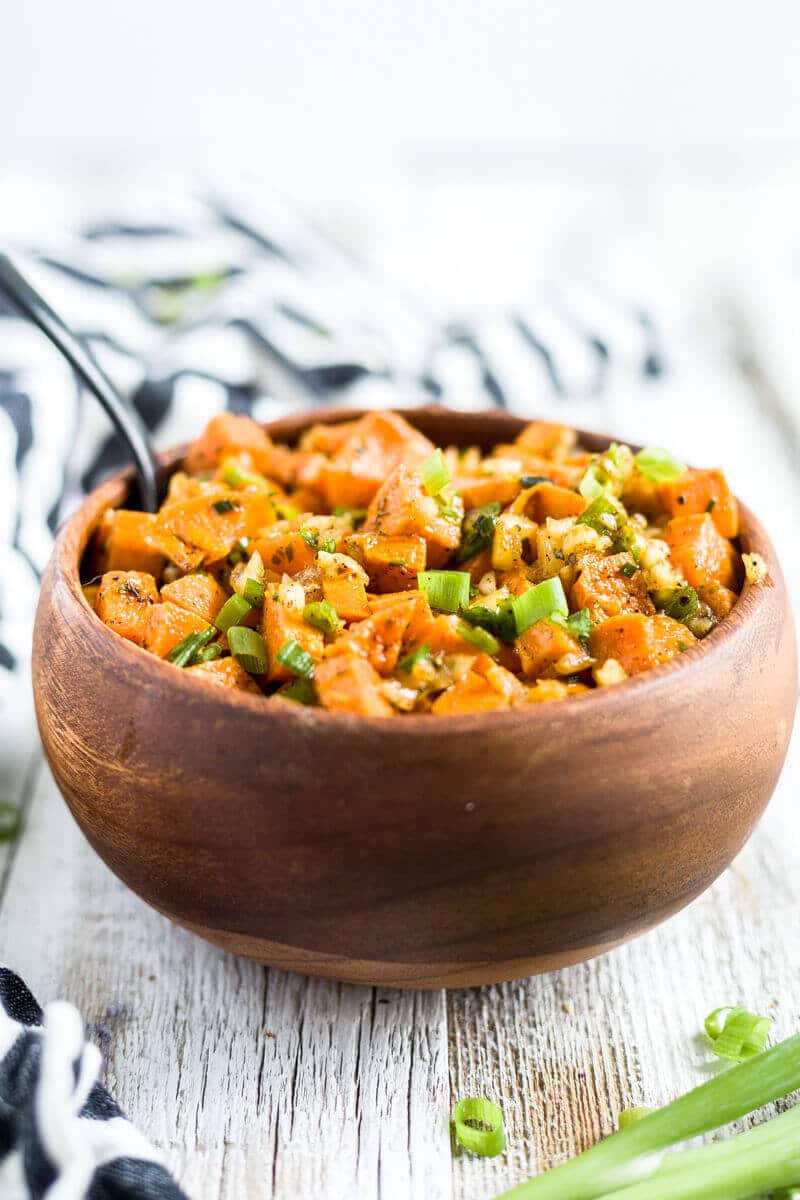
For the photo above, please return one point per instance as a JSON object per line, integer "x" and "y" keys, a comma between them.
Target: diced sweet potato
{"x": 348, "y": 595}
{"x": 281, "y": 624}
{"x": 700, "y": 552}
{"x": 420, "y": 615}
{"x": 606, "y": 590}
{"x": 123, "y": 601}
{"x": 166, "y": 625}
{"x": 231, "y": 434}
{"x": 471, "y": 694}
{"x": 500, "y": 679}
{"x": 381, "y": 636}
{"x": 212, "y": 523}
{"x": 639, "y": 642}
{"x": 348, "y": 683}
{"x": 546, "y": 690}
{"x": 373, "y": 447}
{"x": 283, "y": 549}
{"x": 566, "y": 474}
{"x": 327, "y": 438}
{"x": 199, "y": 593}
{"x": 718, "y": 598}
{"x": 547, "y": 438}
{"x": 479, "y": 490}
{"x": 127, "y": 541}
{"x": 227, "y": 673}
{"x": 545, "y": 500}
{"x": 392, "y": 563}
{"x": 700, "y": 492}
{"x": 548, "y": 650}
{"x": 402, "y": 506}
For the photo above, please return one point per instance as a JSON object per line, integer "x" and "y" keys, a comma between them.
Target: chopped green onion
{"x": 355, "y": 515}
{"x": 659, "y": 465}
{"x": 224, "y": 506}
{"x": 477, "y": 530}
{"x": 579, "y": 624}
{"x": 301, "y": 691}
{"x": 539, "y": 602}
{"x": 529, "y": 481}
{"x": 682, "y": 604}
{"x": 328, "y": 547}
{"x": 296, "y": 659}
{"x": 628, "y": 569}
{"x": 591, "y": 486}
{"x": 208, "y": 653}
{"x": 322, "y": 615}
{"x": 737, "y": 1034}
{"x": 232, "y": 612}
{"x": 10, "y": 821}
{"x": 712, "y": 504}
{"x": 310, "y": 537}
{"x": 248, "y": 648}
{"x": 236, "y": 476}
{"x": 499, "y": 621}
{"x": 239, "y": 552}
{"x": 629, "y": 1116}
{"x": 434, "y": 473}
{"x": 478, "y": 1126}
{"x": 408, "y": 663}
{"x": 481, "y": 638}
{"x": 602, "y": 516}
{"x": 447, "y": 591}
{"x": 253, "y": 592}
{"x": 449, "y": 511}
{"x": 633, "y": 1159}
{"x": 183, "y": 655}
{"x": 285, "y": 510}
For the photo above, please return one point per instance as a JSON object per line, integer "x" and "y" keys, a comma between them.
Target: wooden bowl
{"x": 419, "y": 851}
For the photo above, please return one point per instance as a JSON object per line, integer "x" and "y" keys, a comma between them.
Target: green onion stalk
{"x": 632, "y": 1163}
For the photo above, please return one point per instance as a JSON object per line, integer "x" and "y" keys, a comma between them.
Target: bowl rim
{"x": 74, "y": 534}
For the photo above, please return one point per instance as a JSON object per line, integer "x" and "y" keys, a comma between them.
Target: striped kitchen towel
{"x": 207, "y": 309}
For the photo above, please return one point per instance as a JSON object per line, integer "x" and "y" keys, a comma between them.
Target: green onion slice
{"x": 236, "y": 476}
{"x": 478, "y": 1126}
{"x": 254, "y": 592}
{"x": 296, "y": 659}
{"x": 736, "y": 1033}
{"x": 539, "y": 602}
{"x": 591, "y": 486}
{"x": 183, "y": 655}
{"x": 285, "y": 510}
{"x": 477, "y": 530}
{"x": 629, "y": 1116}
{"x": 408, "y": 663}
{"x": 248, "y": 648}
{"x": 481, "y": 638}
{"x": 659, "y": 465}
{"x": 225, "y": 506}
{"x": 208, "y": 653}
{"x": 447, "y": 591}
{"x": 434, "y": 473}
{"x": 682, "y": 604}
{"x": 301, "y": 691}
{"x": 529, "y": 481}
{"x": 10, "y": 821}
{"x": 310, "y": 537}
{"x": 579, "y": 624}
{"x": 322, "y": 615}
{"x": 602, "y": 516}
{"x": 499, "y": 621}
{"x": 232, "y": 612}
{"x": 628, "y": 569}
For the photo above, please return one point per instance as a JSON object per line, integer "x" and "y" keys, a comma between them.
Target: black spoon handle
{"x": 125, "y": 418}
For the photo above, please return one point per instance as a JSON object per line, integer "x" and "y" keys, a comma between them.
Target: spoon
{"x": 126, "y": 420}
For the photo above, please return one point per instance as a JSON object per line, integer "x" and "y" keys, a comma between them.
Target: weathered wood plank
{"x": 257, "y": 1083}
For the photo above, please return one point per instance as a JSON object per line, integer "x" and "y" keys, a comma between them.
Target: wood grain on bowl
{"x": 414, "y": 852}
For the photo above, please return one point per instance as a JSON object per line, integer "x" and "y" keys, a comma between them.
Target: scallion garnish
{"x": 529, "y": 481}
{"x": 629, "y": 1116}
{"x": 477, "y": 530}
{"x": 659, "y": 465}
{"x": 539, "y": 602}
{"x": 408, "y": 663}
{"x": 478, "y": 1126}
{"x": 481, "y": 638}
{"x": 296, "y": 659}
{"x": 183, "y": 655}
{"x": 248, "y": 648}
{"x": 354, "y": 515}
{"x": 224, "y": 506}
{"x": 10, "y": 821}
{"x": 285, "y": 510}
{"x": 447, "y": 591}
{"x": 232, "y": 612}
{"x": 434, "y": 473}
{"x": 329, "y": 547}
{"x": 602, "y": 516}
{"x": 499, "y": 621}
{"x": 235, "y": 476}
{"x": 310, "y": 537}
{"x": 682, "y": 604}
{"x": 322, "y": 615}
{"x": 579, "y": 624}
{"x": 208, "y": 653}
{"x": 631, "y": 1164}
{"x": 591, "y": 485}
{"x": 301, "y": 691}
{"x": 628, "y": 569}
{"x": 239, "y": 552}
{"x": 737, "y": 1034}
{"x": 253, "y": 592}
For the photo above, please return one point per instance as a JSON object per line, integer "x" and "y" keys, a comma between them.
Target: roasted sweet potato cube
{"x": 700, "y": 552}
{"x": 213, "y": 523}
{"x": 479, "y": 490}
{"x": 127, "y": 541}
{"x": 545, "y": 649}
{"x": 699, "y": 492}
{"x": 374, "y": 446}
{"x": 166, "y": 625}
{"x": 545, "y": 500}
{"x": 381, "y": 636}
{"x": 392, "y": 562}
{"x": 124, "y": 600}
{"x": 471, "y": 694}
{"x": 547, "y": 438}
{"x": 198, "y": 592}
{"x": 282, "y": 624}
{"x": 230, "y": 434}
{"x": 348, "y": 683}
{"x": 638, "y": 642}
{"x": 606, "y": 589}
{"x": 227, "y": 673}
{"x": 403, "y": 507}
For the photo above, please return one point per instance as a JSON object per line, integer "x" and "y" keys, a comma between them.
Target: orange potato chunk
{"x": 606, "y": 591}
{"x": 699, "y": 492}
{"x": 347, "y": 594}
{"x": 545, "y": 649}
{"x": 199, "y": 593}
{"x": 381, "y": 636}
{"x": 166, "y": 625}
{"x": 392, "y": 562}
{"x": 639, "y": 642}
{"x": 373, "y": 447}
{"x": 700, "y": 551}
{"x": 545, "y": 500}
{"x": 232, "y": 435}
{"x": 349, "y": 683}
{"x": 402, "y": 506}
{"x": 479, "y": 490}
{"x": 127, "y": 541}
{"x": 547, "y": 438}
{"x": 227, "y": 673}
{"x": 282, "y": 623}
{"x": 213, "y": 523}
{"x": 123, "y": 601}
{"x": 471, "y": 694}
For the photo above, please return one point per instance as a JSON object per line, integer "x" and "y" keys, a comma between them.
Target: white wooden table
{"x": 262, "y": 1084}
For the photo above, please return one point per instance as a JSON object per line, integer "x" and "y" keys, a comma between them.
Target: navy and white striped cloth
{"x": 218, "y": 308}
